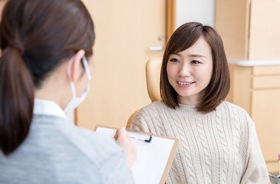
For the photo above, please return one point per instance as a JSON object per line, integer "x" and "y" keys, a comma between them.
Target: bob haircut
{"x": 216, "y": 91}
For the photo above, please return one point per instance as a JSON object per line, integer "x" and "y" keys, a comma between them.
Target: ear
{"x": 75, "y": 68}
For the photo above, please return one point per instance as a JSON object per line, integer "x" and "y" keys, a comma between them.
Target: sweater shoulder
{"x": 153, "y": 110}
{"x": 61, "y": 147}
{"x": 155, "y": 106}
{"x": 75, "y": 140}
{"x": 239, "y": 114}
{"x": 232, "y": 107}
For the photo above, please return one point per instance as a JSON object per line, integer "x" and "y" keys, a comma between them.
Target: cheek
{"x": 207, "y": 73}
{"x": 210, "y": 72}
{"x": 169, "y": 74}
{"x": 170, "y": 70}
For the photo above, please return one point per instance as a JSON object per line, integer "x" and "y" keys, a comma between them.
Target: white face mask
{"x": 76, "y": 101}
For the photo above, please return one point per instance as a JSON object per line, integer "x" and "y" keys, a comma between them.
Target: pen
{"x": 132, "y": 137}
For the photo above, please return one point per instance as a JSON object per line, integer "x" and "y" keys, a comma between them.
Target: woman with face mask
{"x": 44, "y": 72}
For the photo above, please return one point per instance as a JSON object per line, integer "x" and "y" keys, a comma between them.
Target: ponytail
{"x": 16, "y": 100}
{"x": 31, "y": 52}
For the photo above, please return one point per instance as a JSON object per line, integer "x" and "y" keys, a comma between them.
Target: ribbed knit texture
{"x": 218, "y": 147}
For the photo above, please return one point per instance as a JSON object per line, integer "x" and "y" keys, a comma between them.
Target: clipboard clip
{"x": 139, "y": 136}
{"x": 149, "y": 140}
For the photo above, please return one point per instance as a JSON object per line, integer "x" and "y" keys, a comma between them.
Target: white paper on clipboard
{"x": 154, "y": 158}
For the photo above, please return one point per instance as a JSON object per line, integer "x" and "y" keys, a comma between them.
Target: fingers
{"x": 120, "y": 134}
{"x": 127, "y": 145}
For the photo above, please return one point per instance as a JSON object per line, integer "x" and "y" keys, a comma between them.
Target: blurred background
{"x": 129, "y": 32}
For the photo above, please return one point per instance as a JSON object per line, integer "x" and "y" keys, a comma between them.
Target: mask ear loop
{"x": 75, "y": 101}
{"x": 86, "y": 67}
{"x": 85, "y": 63}
{"x": 69, "y": 77}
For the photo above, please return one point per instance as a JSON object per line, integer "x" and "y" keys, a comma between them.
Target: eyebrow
{"x": 191, "y": 55}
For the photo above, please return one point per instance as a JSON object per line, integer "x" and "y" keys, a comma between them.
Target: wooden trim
{"x": 170, "y": 18}
{"x": 247, "y": 29}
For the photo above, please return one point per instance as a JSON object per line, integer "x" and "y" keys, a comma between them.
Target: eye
{"x": 173, "y": 60}
{"x": 196, "y": 62}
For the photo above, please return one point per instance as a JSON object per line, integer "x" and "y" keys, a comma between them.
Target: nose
{"x": 185, "y": 69}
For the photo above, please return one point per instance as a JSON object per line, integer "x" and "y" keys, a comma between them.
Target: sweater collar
{"x": 47, "y": 107}
{"x": 190, "y": 109}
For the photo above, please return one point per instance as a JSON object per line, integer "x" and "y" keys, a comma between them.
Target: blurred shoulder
{"x": 147, "y": 115}
{"x": 62, "y": 135}
{"x": 98, "y": 143}
{"x": 155, "y": 106}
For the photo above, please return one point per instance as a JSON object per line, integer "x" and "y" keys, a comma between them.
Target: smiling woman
{"x": 191, "y": 40}
{"x": 218, "y": 140}
{"x": 190, "y": 71}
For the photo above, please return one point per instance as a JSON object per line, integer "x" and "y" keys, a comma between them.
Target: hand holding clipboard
{"x": 154, "y": 155}
{"x": 128, "y": 147}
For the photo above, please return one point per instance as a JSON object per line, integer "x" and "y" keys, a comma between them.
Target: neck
{"x": 56, "y": 88}
{"x": 192, "y": 101}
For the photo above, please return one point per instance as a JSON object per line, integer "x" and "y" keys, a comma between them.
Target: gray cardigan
{"x": 56, "y": 151}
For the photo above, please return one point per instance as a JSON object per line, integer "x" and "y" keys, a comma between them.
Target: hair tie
{"x": 18, "y": 46}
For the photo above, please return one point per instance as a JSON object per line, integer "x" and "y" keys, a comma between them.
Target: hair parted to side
{"x": 35, "y": 37}
{"x": 183, "y": 38}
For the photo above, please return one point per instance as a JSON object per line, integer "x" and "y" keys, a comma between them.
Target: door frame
{"x": 170, "y": 18}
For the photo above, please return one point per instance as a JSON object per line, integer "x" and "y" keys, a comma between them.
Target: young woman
{"x": 45, "y": 45}
{"x": 218, "y": 141}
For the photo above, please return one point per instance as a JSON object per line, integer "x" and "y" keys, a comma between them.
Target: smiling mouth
{"x": 185, "y": 83}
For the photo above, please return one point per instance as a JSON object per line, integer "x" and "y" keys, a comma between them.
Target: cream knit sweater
{"x": 218, "y": 147}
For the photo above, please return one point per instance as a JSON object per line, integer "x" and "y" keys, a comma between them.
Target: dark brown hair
{"x": 183, "y": 38}
{"x": 35, "y": 37}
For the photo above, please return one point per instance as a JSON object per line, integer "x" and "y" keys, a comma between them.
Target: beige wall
{"x": 125, "y": 30}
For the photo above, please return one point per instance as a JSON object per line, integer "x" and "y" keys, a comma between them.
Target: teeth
{"x": 184, "y": 83}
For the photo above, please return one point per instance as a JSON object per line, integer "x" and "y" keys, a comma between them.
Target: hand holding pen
{"x": 128, "y": 146}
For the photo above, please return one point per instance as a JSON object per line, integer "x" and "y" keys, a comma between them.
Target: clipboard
{"x": 154, "y": 155}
